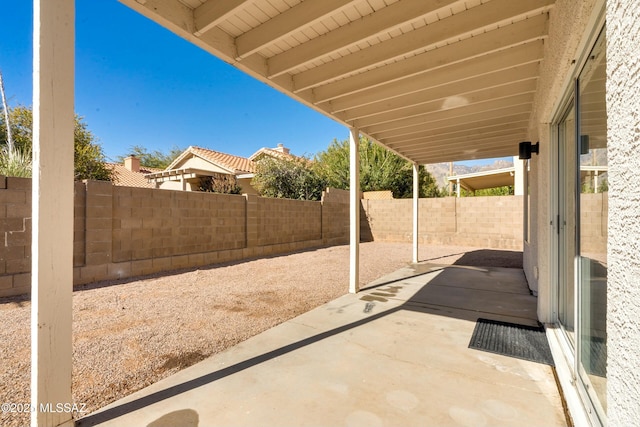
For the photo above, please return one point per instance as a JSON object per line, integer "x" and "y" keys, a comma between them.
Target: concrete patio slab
{"x": 395, "y": 354}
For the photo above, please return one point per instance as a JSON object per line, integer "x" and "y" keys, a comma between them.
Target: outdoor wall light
{"x": 526, "y": 148}
{"x": 584, "y": 144}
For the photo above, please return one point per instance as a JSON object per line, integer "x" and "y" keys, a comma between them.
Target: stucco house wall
{"x": 572, "y": 25}
{"x": 623, "y": 291}
{"x": 567, "y": 25}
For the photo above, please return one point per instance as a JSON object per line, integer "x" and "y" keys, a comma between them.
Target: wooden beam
{"x": 470, "y": 153}
{"x": 303, "y": 14}
{"x": 444, "y": 140}
{"x": 472, "y": 128}
{"x": 500, "y": 39}
{"x": 212, "y": 12}
{"x": 444, "y": 122}
{"x": 479, "y": 141}
{"x": 490, "y": 143}
{"x": 179, "y": 18}
{"x": 52, "y": 211}
{"x": 530, "y": 53}
{"x": 458, "y": 156}
{"x": 450, "y": 103}
{"x": 519, "y": 80}
{"x": 476, "y": 20}
{"x": 381, "y": 21}
{"x": 460, "y": 113}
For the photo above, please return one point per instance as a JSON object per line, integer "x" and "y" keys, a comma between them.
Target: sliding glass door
{"x": 567, "y": 222}
{"x": 592, "y": 217}
{"x": 582, "y": 227}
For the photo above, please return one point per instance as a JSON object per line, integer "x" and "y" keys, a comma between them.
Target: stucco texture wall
{"x": 623, "y": 289}
{"x": 568, "y": 21}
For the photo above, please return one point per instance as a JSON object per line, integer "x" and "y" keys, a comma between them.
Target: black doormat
{"x": 510, "y": 339}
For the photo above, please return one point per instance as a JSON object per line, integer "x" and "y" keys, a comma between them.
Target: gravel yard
{"x": 128, "y": 335}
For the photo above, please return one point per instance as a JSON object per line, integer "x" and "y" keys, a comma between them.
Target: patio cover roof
{"x": 432, "y": 80}
{"x": 485, "y": 179}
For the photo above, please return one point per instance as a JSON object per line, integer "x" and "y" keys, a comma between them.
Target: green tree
{"x": 287, "y": 178}
{"x": 21, "y": 121}
{"x": 506, "y": 190}
{"x": 89, "y": 160}
{"x": 380, "y": 169}
{"x": 15, "y": 162}
{"x": 220, "y": 183}
{"x": 154, "y": 159}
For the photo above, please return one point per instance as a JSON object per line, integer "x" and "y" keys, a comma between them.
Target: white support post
{"x": 354, "y": 210}
{"x": 52, "y": 216}
{"x": 458, "y": 187}
{"x": 416, "y": 199}
{"x": 519, "y": 175}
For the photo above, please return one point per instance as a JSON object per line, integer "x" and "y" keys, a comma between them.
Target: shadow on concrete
{"x": 169, "y": 392}
{"x": 462, "y": 292}
{"x": 491, "y": 258}
{"x": 183, "y": 418}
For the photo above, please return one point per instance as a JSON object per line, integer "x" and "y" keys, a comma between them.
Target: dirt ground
{"x": 130, "y": 334}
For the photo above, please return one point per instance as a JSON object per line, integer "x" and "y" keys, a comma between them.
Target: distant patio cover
{"x": 485, "y": 179}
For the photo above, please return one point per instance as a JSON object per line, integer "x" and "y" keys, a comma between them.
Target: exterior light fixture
{"x": 584, "y": 144}
{"x": 526, "y": 148}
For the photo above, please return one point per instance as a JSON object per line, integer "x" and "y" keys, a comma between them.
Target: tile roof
{"x": 126, "y": 178}
{"x": 272, "y": 153}
{"x": 227, "y": 161}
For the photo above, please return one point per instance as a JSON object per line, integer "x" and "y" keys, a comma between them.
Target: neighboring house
{"x": 196, "y": 163}
{"x": 131, "y": 174}
{"x": 280, "y": 152}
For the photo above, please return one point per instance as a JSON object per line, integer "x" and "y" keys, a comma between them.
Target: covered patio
{"x": 433, "y": 81}
{"x": 397, "y": 353}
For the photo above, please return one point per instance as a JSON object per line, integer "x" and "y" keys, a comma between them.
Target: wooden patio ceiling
{"x": 433, "y": 80}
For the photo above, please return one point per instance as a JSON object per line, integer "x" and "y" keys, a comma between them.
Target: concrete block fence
{"x": 122, "y": 232}
{"x": 486, "y": 222}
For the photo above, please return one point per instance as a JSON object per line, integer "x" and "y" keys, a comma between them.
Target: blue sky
{"x": 139, "y": 84}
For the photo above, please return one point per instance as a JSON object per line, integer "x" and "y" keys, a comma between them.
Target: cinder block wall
{"x": 288, "y": 221}
{"x": 489, "y": 222}
{"x": 122, "y": 232}
{"x": 15, "y": 247}
{"x": 335, "y": 229}
{"x": 594, "y": 219}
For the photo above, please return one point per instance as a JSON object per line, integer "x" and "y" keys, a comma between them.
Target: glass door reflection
{"x": 593, "y": 218}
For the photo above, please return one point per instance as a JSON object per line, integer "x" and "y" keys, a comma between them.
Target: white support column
{"x": 354, "y": 210}
{"x": 519, "y": 176}
{"x": 458, "y": 187}
{"x": 416, "y": 198}
{"x": 52, "y": 216}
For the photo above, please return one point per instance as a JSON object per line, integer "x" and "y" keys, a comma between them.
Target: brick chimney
{"x": 132, "y": 163}
{"x": 281, "y": 148}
